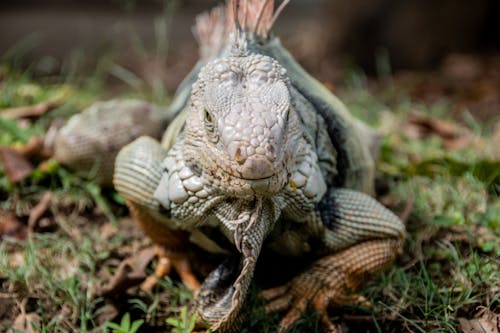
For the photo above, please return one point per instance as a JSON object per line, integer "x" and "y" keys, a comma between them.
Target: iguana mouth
{"x": 277, "y": 170}
{"x": 255, "y": 169}
{"x": 257, "y": 179}
{"x": 266, "y": 186}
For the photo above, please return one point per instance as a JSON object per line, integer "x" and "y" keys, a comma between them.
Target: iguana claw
{"x": 282, "y": 299}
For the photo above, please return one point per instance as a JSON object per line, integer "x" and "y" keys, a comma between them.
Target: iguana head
{"x": 241, "y": 125}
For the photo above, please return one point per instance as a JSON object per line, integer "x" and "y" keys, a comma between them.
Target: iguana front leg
{"x": 138, "y": 174}
{"x": 170, "y": 249}
{"x": 369, "y": 238}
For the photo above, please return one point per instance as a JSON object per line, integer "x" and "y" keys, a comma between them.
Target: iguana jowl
{"x": 262, "y": 154}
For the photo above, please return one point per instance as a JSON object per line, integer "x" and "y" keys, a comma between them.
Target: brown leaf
{"x": 37, "y": 211}
{"x": 27, "y": 323}
{"x": 11, "y": 226}
{"x": 108, "y": 230}
{"x": 496, "y": 132}
{"x": 462, "y": 67}
{"x": 468, "y": 234}
{"x": 30, "y": 111}
{"x": 486, "y": 322}
{"x": 16, "y": 166}
{"x": 433, "y": 125}
{"x": 453, "y": 135}
{"x": 107, "y": 313}
{"x": 7, "y": 302}
{"x": 130, "y": 272}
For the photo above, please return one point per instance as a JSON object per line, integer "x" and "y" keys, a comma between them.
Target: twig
{"x": 37, "y": 211}
{"x": 30, "y": 111}
{"x": 357, "y": 318}
{"x": 405, "y": 214}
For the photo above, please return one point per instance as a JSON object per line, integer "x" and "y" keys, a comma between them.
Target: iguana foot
{"x": 330, "y": 282}
{"x": 170, "y": 249}
{"x": 137, "y": 174}
{"x": 282, "y": 298}
{"x": 166, "y": 261}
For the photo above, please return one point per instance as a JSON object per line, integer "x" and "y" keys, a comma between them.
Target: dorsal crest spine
{"x": 235, "y": 26}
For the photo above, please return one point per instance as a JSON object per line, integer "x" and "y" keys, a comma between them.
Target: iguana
{"x": 259, "y": 156}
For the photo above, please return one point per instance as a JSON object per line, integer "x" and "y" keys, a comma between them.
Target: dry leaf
{"x": 108, "y": 230}
{"x": 16, "y": 166}
{"x": 486, "y": 322}
{"x": 27, "y": 323}
{"x": 7, "y": 303}
{"x": 107, "y": 313}
{"x": 68, "y": 269}
{"x": 496, "y": 132}
{"x": 453, "y": 135}
{"x": 462, "y": 67}
{"x": 471, "y": 235}
{"x": 130, "y": 272}
{"x": 11, "y": 226}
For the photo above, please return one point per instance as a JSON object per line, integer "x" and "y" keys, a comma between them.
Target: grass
{"x": 449, "y": 268}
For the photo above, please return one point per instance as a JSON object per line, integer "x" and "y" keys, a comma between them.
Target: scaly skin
{"x": 331, "y": 281}
{"x": 261, "y": 156}
{"x": 90, "y": 140}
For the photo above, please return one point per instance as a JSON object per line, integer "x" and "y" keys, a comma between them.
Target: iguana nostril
{"x": 271, "y": 152}
{"x": 238, "y": 156}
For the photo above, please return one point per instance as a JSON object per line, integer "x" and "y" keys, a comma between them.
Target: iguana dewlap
{"x": 262, "y": 154}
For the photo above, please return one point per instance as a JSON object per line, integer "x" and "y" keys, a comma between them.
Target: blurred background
{"x": 151, "y": 40}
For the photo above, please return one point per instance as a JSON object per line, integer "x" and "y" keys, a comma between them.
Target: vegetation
{"x": 439, "y": 169}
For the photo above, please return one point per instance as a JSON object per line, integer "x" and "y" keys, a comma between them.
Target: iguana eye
{"x": 209, "y": 126}
{"x": 208, "y": 117}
